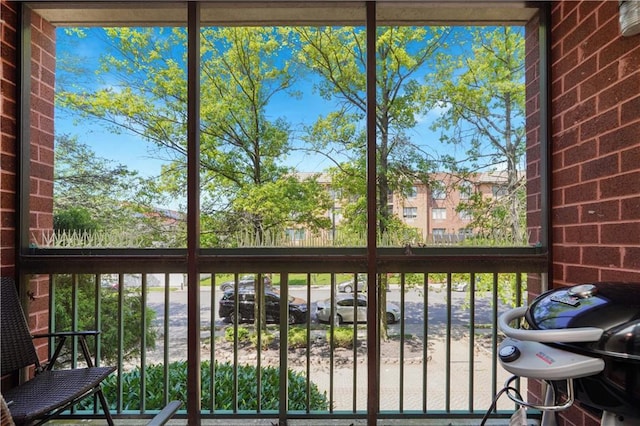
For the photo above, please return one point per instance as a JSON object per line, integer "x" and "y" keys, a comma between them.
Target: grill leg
{"x": 549, "y": 417}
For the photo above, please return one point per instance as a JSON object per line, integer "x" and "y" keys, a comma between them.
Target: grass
{"x": 294, "y": 279}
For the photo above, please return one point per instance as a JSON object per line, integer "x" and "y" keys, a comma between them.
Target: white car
{"x": 345, "y": 311}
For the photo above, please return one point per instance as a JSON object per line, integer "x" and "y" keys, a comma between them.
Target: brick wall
{"x": 43, "y": 63}
{"x": 42, "y": 139}
{"x": 596, "y": 145}
{"x": 8, "y": 42}
{"x": 595, "y": 150}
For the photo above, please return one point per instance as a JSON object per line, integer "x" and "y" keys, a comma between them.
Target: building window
{"x": 413, "y": 193}
{"x": 465, "y": 215}
{"x": 438, "y": 213}
{"x": 410, "y": 212}
{"x": 439, "y": 231}
{"x": 438, "y": 194}
{"x": 499, "y": 190}
{"x": 171, "y": 101}
{"x": 295, "y": 234}
{"x": 466, "y": 190}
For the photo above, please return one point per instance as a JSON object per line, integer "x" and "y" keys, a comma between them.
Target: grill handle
{"x": 581, "y": 334}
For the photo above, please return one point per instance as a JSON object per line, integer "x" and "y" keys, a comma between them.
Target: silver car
{"x": 345, "y": 311}
{"x": 348, "y": 286}
{"x": 246, "y": 281}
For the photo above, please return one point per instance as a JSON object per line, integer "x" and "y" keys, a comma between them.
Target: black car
{"x": 246, "y": 307}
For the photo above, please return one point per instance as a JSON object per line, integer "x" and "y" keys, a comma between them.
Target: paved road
{"x": 413, "y": 307}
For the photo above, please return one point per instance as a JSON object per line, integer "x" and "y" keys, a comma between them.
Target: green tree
{"x": 338, "y": 57}
{"x": 89, "y": 190}
{"x": 245, "y": 189}
{"x": 242, "y": 147}
{"x": 94, "y": 194}
{"x": 482, "y": 98}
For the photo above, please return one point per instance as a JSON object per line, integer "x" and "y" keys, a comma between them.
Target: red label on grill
{"x": 546, "y": 358}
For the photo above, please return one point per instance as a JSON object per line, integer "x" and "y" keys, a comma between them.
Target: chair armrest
{"x": 67, "y": 334}
{"x": 62, "y": 337}
{"x": 165, "y": 414}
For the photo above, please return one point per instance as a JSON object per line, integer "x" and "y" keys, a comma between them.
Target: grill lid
{"x": 612, "y": 306}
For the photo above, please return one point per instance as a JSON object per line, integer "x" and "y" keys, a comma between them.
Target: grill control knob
{"x": 509, "y": 353}
{"x": 583, "y": 291}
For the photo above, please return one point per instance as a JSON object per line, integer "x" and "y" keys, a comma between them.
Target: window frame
{"x": 33, "y": 259}
{"x": 409, "y": 209}
{"x": 438, "y": 213}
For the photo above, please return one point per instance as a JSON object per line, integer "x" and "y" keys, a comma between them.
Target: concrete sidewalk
{"x": 411, "y": 395}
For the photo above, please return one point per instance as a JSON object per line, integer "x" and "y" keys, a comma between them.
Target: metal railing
{"x": 439, "y": 359}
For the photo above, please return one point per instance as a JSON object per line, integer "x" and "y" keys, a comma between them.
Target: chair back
{"x": 16, "y": 344}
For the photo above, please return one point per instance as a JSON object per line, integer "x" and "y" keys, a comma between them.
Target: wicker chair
{"x": 49, "y": 392}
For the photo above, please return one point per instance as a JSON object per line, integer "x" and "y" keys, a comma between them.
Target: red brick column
{"x": 8, "y": 46}
{"x": 43, "y": 63}
{"x": 41, "y": 143}
{"x": 595, "y": 150}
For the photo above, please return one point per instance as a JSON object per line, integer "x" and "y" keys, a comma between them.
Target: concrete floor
{"x": 303, "y": 422}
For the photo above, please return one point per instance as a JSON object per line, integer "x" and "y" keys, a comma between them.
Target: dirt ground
{"x": 413, "y": 351}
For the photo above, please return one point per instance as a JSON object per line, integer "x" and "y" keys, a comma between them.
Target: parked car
{"x": 109, "y": 285}
{"x": 246, "y": 307}
{"x": 349, "y": 285}
{"x": 461, "y": 286}
{"x": 247, "y": 281}
{"x": 345, "y": 310}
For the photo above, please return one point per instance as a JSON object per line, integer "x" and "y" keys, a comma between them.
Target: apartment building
{"x": 435, "y": 211}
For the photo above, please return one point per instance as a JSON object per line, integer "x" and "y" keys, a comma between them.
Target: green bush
{"x": 74, "y": 219}
{"x": 109, "y": 329}
{"x": 266, "y": 339}
{"x": 243, "y": 334}
{"x": 224, "y": 386}
{"x": 342, "y": 337}
{"x": 297, "y": 337}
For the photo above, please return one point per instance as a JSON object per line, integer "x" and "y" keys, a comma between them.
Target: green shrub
{"x": 266, "y": 339}
{"x": 297, "y": 337}
{"x": 224, "y": 386}
{"x": 243, "y": 334}
{"x": 86, "y": 316}
{"x": 342, "y": 337}
{"x": 74, "y": 219}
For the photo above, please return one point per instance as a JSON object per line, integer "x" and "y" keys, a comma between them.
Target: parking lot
{"x": 414, "y": 309}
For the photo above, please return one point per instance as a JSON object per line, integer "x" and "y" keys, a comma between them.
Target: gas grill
{"x": 584, "y": 342}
